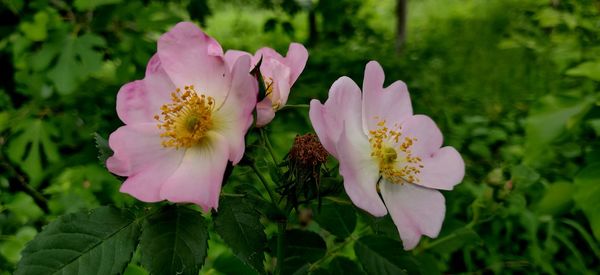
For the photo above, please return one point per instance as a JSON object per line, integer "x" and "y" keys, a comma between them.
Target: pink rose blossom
{"x": 279, "y": 74}
{"x": 381, "y": 146}
{"x": 184, "y": 121}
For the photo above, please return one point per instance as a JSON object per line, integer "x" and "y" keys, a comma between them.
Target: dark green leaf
{"x": 380, "y": 255}
{"x": 100, "y": 241}
{"x": 456, "y": 240}
{"x": 104, "y": 151}
{"x": 238, "y": 223}
{"x": 587, "y": 192}
{"x": 174, "y": 241}
{"x": 230, "y": 264}
{"x": 338, "y": 219}
{"x": 344, "y": 266}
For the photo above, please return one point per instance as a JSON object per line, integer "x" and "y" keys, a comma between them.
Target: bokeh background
{"x": 513, "y": 84}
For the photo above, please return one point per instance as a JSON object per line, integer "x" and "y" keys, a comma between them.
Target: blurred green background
{"x": 513, "y": 84}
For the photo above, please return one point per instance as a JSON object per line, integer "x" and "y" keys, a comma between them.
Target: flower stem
{"x": 267, "y": 142}
{"x": 281, "y": 226}
{"x": 264, "y": 182}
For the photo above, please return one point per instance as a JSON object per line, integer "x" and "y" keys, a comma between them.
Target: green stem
{"x": 265, "y": 139}
{"x": 280, "y": 245}
{"x": 332, "y": 252}
{"x": 263, "y": 180}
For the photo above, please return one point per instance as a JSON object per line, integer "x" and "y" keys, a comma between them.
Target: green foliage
{"x": 238, "y": 223}
{"x": 380, "y": 255}
{"x": 513, "y": 85}
{"x": 174, "y": 241}
{"x": 98, "y": 242}
{"x": 339, "y": 219}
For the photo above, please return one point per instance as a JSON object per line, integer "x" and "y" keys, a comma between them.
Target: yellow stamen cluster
{"x": 186, "y": 120}
{"x": 393, "y": 153}
{"x": 269, "y": 93}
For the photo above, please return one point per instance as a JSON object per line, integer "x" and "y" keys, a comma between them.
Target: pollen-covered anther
{"x": 187, "y": 119}
{"x": 393, "y": 153}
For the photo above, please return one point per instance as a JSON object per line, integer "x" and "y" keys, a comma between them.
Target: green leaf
{"x": 104, "y": 151}
{"x": 589, "y": 69}
{"x": 76, "y": 62}
{"x": 380, "y": 255}
{"x": 86, "y": 5}
{"x": 24, "y": 208}
{"x": 36, "y": 30}
{"x": 587, "y": 192}
{"x": 31, "y": 144}
{"x": 549, "y": 120}
{"x": 238, "y": 223}
{"x": 456, "y": 240}
{"x": 557, "y": 198}
{"x": 11, "y": 248}
{"x": 174, "y": 241}
{"x": 100, "y": 241}
{"x": 301, "y": 248}
{"x": 338, "y": 219}
{"x": 228, "y": 263}
{"x": 523, "y": 176}
{"x": 344, "y": 266}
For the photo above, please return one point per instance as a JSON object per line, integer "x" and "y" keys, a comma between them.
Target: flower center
{"x": 393, "y": 154}
{"x": 269, "y": 93}
{"x": 186, "y": 120}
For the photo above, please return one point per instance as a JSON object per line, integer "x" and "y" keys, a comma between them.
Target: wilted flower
{"x": 382, "y": 146}
{"x": 279, "y": 74}
{"x": 302, "y": 180}
{"x": 184, "y": 121}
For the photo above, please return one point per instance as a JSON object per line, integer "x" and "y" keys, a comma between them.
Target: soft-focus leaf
{"x": 380, "y": 255}
{"x": 557, "y": 198}
{"x": 85, "y": 5}
{"x": 31, "y": 144}
{"x": 12, "y": 247}
{"x": 237, "y": 222}
{"x": 100, "y": 241}
{"x": 587, "y": 192}
{"x": 174, "y": 241}
{"x": 590, "y": 69}
{"x": 344, "y": 266}
{"x": 301, "y": 248}
{"x": 338, "y": 219}
{"x": 228, "y": 263}
{"x": 456, "y": 240}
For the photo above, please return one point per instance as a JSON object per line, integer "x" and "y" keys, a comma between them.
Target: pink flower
{"x": 279, "y": 74}
{"x": 184, "y": 121}
{"x": 382, "y": 146}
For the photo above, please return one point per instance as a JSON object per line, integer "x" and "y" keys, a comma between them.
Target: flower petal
{"x": 428, "y": 135}
{"x": 391, "y": 104}
{"x": 264, "y": 112}
{"x": 231, "y": 56}
{"x": 328, "y": 119}
{"x": 234, "y": 117}
{"x": 415, "y": 211}
{"x": 443, "y": 170}
{"x": 199, "y": 177}
{"x": 145, "y": 185}
{"x": 140, "y": 100}
{"x": 135, "y": 146}
{"x": 359, "y": 170}
{"x": 187, "y": 56}
{"x": 296, "y": 58}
